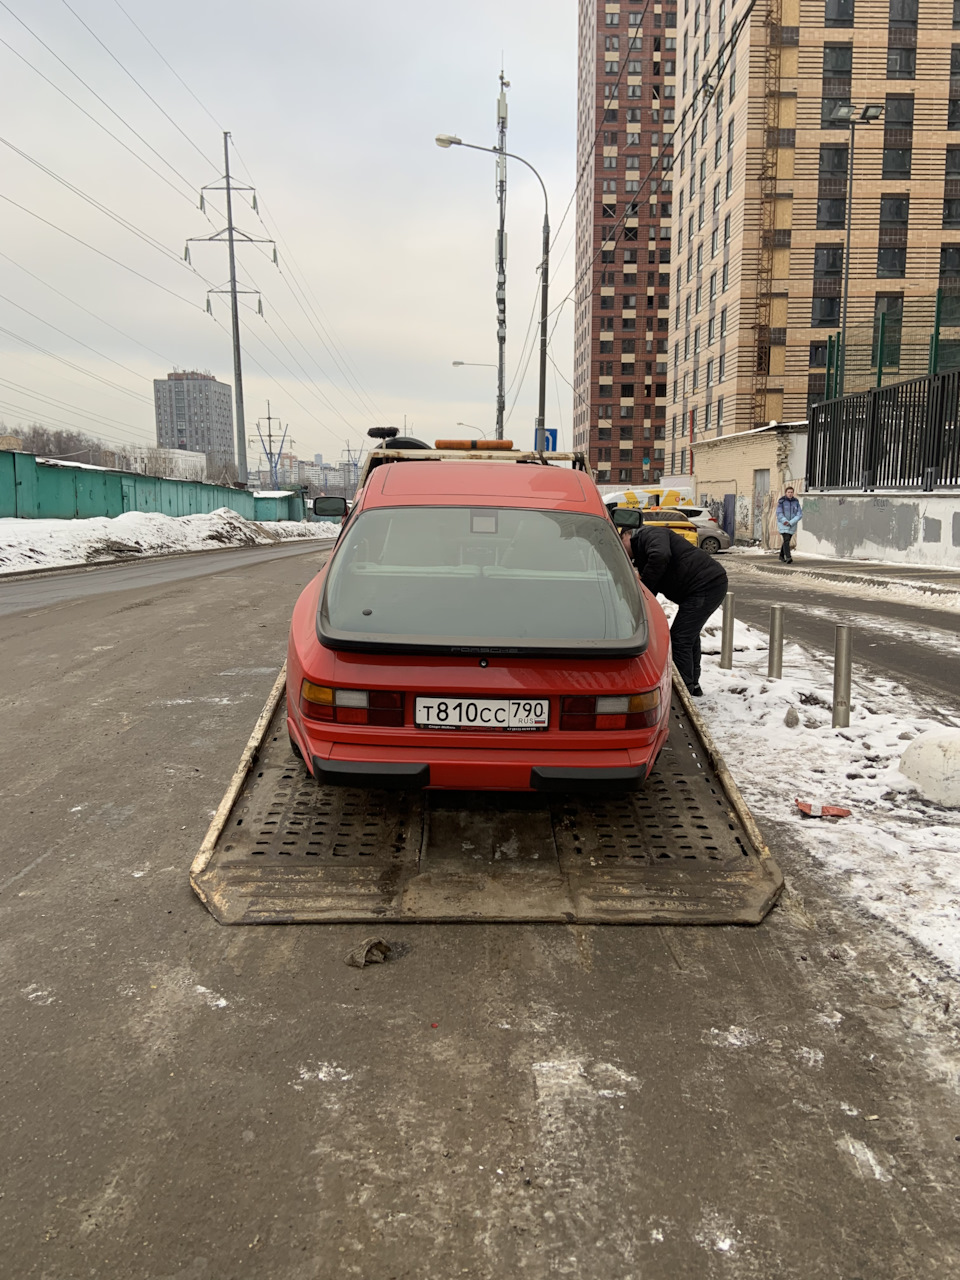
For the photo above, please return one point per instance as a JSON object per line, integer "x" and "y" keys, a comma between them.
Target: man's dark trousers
{"x": 687, "y": 625}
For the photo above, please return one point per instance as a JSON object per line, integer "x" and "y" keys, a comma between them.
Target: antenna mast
{"x": 501, "y": 248}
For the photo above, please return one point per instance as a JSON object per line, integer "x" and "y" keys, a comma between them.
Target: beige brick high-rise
{"x": 760, "y": 188}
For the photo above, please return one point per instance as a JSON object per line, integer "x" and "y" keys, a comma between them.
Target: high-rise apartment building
{"x": 625, "y": 118}
{"x": 195, "y": 411}
{"x": 761, "y": 169}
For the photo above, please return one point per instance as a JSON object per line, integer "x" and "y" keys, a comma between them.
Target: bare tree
{"x": 72, "y": 446}
{"x": 224, "y": 473}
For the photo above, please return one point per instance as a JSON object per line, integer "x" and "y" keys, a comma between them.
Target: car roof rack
{"x": 377, "y": 457}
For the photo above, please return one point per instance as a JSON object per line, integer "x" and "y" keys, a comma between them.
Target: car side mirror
{"x": 627, "y": 517}
{"x": 330, "y": 508}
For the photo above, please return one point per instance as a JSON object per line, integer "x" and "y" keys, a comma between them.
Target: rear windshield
{"x": 462, "y": 577}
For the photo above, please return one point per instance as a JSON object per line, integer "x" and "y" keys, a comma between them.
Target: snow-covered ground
{"x": 897, "y": 855}
{"x": 47, "y": 544}
{"x": 819, "y": 569}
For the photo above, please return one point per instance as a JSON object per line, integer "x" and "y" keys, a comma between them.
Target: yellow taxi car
{"x": 674, "y": 520}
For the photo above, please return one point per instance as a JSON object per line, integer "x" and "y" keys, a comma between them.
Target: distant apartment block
{"x": 626, "y": 108}
{"x": 194, "y": 411}
{"x": 760, "y": 201}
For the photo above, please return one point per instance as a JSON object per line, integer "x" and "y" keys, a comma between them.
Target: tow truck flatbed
{"x": 683, "y": 850}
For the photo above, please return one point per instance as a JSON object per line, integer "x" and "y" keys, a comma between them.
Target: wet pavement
{"x": 187, "y": 1101}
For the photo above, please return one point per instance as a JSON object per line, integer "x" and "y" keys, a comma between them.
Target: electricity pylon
{"x": 231, "y": 234}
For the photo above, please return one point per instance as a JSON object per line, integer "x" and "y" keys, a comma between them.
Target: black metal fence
{"x": 902, "y": 437}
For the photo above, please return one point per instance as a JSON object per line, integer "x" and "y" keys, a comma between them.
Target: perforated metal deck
{"x": 683, "y": 850}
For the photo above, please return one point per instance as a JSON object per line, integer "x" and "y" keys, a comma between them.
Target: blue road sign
{"x": 550, "y": 445}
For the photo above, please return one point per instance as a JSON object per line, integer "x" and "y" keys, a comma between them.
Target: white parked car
{"x": 710, "y": 537}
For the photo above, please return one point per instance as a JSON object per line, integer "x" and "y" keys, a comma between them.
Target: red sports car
{"x": 479, "y": 626}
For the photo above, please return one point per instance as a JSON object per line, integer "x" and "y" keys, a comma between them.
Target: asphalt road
{"x": 184, "y": 1101}
{"x": 911, "y": 641}
{"x": 37, "y": 591}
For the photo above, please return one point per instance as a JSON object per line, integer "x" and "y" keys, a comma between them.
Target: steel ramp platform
{"x": 683, "y": 850}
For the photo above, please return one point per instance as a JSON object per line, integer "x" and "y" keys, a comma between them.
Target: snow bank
{"x": 932, "y": 761}
{"x": 897, "y": 854}
{"x": 45, "y": 544}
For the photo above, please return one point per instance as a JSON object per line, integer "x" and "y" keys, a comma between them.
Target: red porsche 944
{"x": 479, "y": 626}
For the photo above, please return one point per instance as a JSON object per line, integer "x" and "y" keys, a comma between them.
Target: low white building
{"x": 740, "y": 477}
{"x": 171, "y": 464}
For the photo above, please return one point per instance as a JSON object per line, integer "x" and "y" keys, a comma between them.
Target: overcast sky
{"x": 333, "y": 108}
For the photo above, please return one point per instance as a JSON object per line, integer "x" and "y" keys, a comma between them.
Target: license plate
{"x": 451, "y": 712}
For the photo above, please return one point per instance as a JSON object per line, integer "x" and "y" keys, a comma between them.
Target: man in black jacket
{"x": 691, "y": 578}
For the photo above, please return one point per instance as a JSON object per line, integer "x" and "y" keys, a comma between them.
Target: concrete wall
{"x": 906, "y": 529}
{"x": 726, "y": 478}
{"x": 42, "y": 491}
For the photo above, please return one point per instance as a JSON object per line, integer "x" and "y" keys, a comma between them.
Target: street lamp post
{"x": 846, "y": 113}
{"x": 449, "y": 140}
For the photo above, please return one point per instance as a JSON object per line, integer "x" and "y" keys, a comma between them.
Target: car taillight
{"x": 631, "y": 711}
{"x": 350, "y": 706}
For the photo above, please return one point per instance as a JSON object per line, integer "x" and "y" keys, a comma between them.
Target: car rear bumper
{"x": 382, "y": 775}
{"x": 620, "y": 777}
{"x": 476, "y": 770}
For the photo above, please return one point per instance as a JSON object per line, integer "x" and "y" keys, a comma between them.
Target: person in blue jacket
{"x": 789, "y": 515}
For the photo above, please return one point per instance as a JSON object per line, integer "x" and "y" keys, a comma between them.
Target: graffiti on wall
{"x": 848, "y": 525}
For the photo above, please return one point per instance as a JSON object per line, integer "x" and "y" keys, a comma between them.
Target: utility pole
{"x": 273, "y": 459}
{"x": 451, "y": 140}
{"x": 235, "y": 316}
{"x": 231, "y": 234}
{"x": 353, "y": 466}
{"x": 501, "y": 250}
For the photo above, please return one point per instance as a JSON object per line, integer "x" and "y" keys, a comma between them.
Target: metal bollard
{"x": 775, "y": 653}
{"x": 841, "y": 678}
{"x": 726, "y": 638}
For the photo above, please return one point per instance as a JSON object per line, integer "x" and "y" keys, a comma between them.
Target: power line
{"x": 575, "y": 390}
{"x": 137, "y": 395}
{"x": 93, "y": 91}
{"x": 328, "y": 403}
{"x": 123, "y": 333}
{"x": 100, "y": 125}
{"x": 526, "y": 336}
{"x": 556, "y": 385}
{"x": 116, "y": 261}
{"x": 169, "y": 67}
{"x": 326, "y": 336}
{"x": 284, "y": 390}
{"x": 43, "y": 417}
{"x": 290, "y": 371}
{"x": 523, "y": 378}
{"x": 589, "y": 155}
{"x": 129, "y": 73}
{"x": 63, "y": 333}
{"x": 359, "y": 395}
{"x": 718, "y": 63}
{"x": 321, "y": 394}
{"x": 101, "y": 208}
{"x": 65, "y": 404}
{"x": 327, "y": 339}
